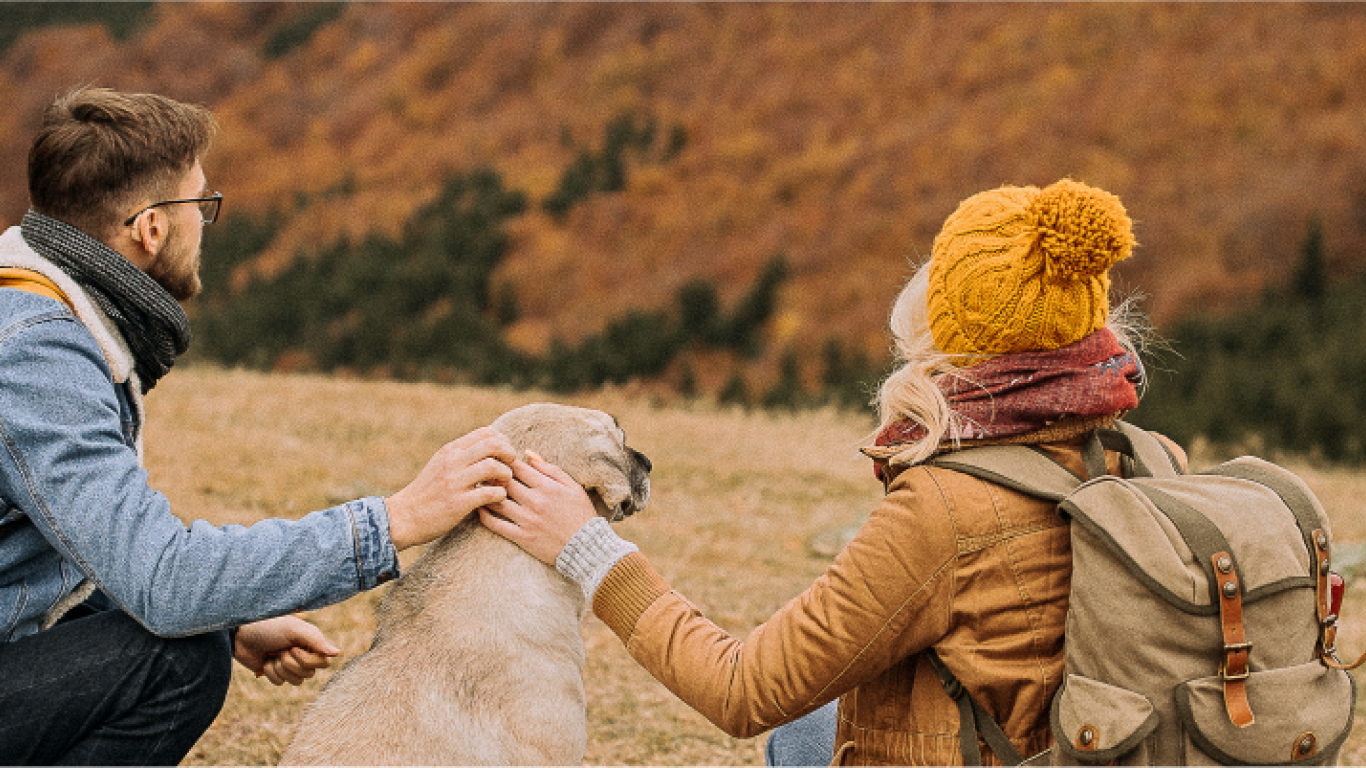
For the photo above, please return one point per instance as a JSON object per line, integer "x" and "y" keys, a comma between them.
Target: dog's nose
{"x": 644, "y": 460}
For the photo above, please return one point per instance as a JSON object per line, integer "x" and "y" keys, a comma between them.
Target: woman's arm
{"x": 885, "y": 597}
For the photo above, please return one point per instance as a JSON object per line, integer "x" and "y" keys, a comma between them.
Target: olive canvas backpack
{"x": 1201, "y": 621}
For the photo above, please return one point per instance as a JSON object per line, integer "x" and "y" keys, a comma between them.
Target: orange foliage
{"x": 840, "y": 135}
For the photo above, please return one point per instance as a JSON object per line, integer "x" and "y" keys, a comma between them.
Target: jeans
{"x": 100, "y": 689}
{"x": 808, "y": 740}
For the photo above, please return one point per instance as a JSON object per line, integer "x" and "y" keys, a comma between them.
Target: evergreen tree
{"x": 735, "y": 391}
{"x": 1311, "y": 278}
{"x": 788, "y": 391}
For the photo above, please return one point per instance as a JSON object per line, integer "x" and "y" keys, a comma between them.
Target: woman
{"x": 1004, "y": 339}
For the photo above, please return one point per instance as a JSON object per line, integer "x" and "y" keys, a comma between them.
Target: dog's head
{"x": 590, "y": 446}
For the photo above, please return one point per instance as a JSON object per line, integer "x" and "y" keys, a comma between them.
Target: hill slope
{"x": 838, "y": 135}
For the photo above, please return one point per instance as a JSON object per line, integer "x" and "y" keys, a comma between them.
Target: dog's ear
{"x": 588, "y": 445}
{"x": 616, "y": 476}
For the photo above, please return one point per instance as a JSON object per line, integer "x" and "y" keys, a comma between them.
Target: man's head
{"x": 102, "y": 157}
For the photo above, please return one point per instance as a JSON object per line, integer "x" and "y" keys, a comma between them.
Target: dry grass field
{"x": 738, "y": 501}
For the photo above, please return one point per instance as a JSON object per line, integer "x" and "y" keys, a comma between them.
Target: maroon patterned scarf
{"x": 1023, "y": 392}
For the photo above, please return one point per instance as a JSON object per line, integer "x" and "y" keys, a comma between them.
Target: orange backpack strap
{"x": 33, "y": 282}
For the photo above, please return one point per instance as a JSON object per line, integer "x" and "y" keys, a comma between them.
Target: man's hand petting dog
{"x": 285, "y": 649}
{"x": 544, "y": 509}
{"x": 464, "y": 475}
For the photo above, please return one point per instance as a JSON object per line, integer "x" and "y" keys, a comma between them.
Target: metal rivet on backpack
{"x": 1304, "y": 746}
{"x": 1323, "y": 541}
{"x": 1225, "y": 564}
{"x": 1324, "y": 566}
{"x": 1230, "y": 590}
{"x": 1086, "y": 737}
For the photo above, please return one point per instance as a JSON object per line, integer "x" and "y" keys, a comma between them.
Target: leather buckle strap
{"x": 1235, "y": 666}
{"x": 1328, "y": 621}
{"x": 1225, "y": 668}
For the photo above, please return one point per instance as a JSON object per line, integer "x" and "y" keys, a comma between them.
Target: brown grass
{"x": 738, "y": 500}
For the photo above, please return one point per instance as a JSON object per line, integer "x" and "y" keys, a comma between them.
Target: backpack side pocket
{"x": 1304, "y": 714}
{"x": 1094, "y": 722}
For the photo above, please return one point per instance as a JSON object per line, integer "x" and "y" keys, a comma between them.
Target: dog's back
{"x": 477, "y": 659}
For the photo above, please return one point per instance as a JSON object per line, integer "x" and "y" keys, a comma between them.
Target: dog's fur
{"x": 478, "y": 657}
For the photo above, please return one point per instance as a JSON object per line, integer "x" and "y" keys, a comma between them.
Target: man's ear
{"x": 149, "y": 234}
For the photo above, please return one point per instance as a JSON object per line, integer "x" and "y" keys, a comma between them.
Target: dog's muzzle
{"x": 640, "y": 487}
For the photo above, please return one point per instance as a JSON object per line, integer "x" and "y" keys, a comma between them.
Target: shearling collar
{"x": 14, "y": 252}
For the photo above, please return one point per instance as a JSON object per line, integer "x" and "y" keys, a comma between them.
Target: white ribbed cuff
{"x": 590, "y": 554}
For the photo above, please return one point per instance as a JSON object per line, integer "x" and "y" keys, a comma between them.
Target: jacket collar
{"x": 14, "y": 252}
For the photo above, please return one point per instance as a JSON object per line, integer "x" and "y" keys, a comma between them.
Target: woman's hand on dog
{"x": 544, "y": 509}
{"x": 285, "y": 649}
{"x": 464, "y": 475}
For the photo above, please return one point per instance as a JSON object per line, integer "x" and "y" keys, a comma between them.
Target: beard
{"x": 176, "y": 268}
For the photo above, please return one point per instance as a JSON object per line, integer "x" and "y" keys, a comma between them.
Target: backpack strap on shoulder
{"x": 973, "y": 720}
{"x": 1030, "y": 471}
{"x": 32, "y": 282}
{"x": 1143, "y": 455}
{"x": 1018, "y": 467}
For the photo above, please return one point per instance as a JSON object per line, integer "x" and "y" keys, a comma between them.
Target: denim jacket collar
{"x": 14, "y": 252}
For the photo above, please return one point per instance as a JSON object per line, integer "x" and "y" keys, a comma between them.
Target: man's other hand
{"x": 285, "y": 649}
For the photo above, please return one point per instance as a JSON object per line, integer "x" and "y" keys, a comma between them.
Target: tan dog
{"x": 478, "y": 659}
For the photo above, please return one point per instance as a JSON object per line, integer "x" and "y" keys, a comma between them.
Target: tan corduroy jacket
{"x": 975, "y": 570}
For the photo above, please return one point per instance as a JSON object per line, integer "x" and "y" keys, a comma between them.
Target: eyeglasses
{"x": 208, "y": 207}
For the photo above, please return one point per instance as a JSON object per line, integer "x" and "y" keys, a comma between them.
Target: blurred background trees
{"x": 1286, "y": 372}
{"x": 721, "y": 201}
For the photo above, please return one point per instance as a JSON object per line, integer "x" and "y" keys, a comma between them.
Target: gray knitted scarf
{"x": 151, "y": 321}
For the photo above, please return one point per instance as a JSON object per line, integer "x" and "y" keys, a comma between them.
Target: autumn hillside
{"x": 837, "y": 136}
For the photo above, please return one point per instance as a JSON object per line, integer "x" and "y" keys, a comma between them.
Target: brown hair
{"x": 100, "y": 152}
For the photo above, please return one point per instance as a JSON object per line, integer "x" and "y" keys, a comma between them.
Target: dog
{"x": 477, "y": 659}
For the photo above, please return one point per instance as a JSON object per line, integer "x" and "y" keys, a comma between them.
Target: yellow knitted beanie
{"x": 1020, "y": 269}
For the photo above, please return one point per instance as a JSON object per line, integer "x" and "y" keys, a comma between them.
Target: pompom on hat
{"x": 1020, "y": 269}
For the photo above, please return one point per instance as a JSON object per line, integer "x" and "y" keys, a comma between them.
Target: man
{"x": 117, "y": 622}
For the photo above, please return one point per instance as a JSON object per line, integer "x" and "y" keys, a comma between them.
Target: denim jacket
{"x": 75, "y": 503}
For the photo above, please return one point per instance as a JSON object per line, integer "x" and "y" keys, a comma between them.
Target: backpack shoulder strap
{"x": 32, "y": 282}
{"x": 1029, "y": 471}
{"x": 973, "y": 720}
{"x": 1149, "y": 451}
{"x": 1018, "y": 467}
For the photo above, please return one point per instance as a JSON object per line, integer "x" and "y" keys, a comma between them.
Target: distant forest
{"x": 1285, "y": 373}
{"x": 424, "y": 304}
{"x": 721, "y": 200}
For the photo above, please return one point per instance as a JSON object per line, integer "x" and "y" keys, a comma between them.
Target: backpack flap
{"x": 1309, "y": 514}
{"x": 1304, "y": 714}
{"x": 1166, "y": 530}
{"x": 1095, "y": 722}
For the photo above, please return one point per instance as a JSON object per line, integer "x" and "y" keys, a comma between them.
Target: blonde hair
{"x": 912, "y": 391}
